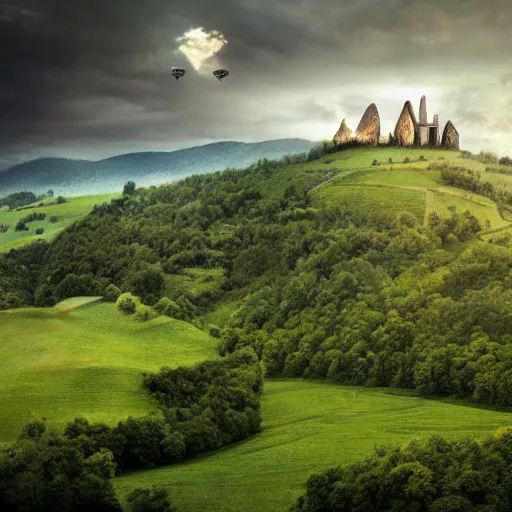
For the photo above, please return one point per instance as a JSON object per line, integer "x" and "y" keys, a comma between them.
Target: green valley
{"x": 307, "y": 428}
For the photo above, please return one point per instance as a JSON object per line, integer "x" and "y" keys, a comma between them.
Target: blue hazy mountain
{"x": 74, "y": 177}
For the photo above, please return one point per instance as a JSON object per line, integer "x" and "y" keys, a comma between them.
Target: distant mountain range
{"x": 77, "y": 177}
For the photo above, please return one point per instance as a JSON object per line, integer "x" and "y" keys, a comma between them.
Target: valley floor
{"x": 308, "y": 427}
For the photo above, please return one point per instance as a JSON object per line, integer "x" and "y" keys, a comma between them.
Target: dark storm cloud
{"x": 94, "y": 76}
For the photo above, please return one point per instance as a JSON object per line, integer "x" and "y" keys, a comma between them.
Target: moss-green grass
{"x": 373, "y": 200}
{"x": 84, "y": 358}
{"x": 66, "y": 213}
{"x": 307, "y": 427}
{"x": 417, "y": 189}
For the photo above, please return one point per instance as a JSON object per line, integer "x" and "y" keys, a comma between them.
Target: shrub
{"x": 21, "y": 226}
{"x": 422, "y": 158}
{"x": 149, "y": 500}
{"x": 167, "y": 307}
{"x": 127, "y": 303}
{"x": 112, "y": 293}
{"x": 144, "y": 313}
{"x": 375, "y": 162}
{"x": 39, "y": 231}
{"x": 53, "y": 219}
{"x": 147, "y": 284}
{"x": 61, "y": 200}
{"x": 390, "y": 161}
{"x": 4, "y": 228}
{"x": 406, "y": 160}
{"x": 129, "y": 188}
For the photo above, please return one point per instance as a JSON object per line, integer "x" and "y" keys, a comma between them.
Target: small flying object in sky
{"x": 221, "y": 73}
{"x": 177, "y": 72}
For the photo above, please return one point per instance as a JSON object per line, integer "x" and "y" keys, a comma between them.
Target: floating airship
{"x": 177, "y": 72}
{"x": 221, "y": 73}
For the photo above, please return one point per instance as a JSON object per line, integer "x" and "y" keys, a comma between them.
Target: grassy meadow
{"x": 308, "y": 427}
{"x": 399, "y": 186}
{"x": 74, "y": 209}
{"x": 85, "y": 358}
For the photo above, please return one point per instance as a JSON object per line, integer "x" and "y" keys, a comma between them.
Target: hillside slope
{"x": 79, "y": 177}
{"x": 75, "y": 208}
{"x": 85, "y": 358}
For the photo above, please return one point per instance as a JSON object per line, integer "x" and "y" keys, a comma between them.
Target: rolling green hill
{"x": 66, "y": 213}
{"x": 400, "y": 186}
{"x": 307, "y": 427}
{"x": 84, "y": 358}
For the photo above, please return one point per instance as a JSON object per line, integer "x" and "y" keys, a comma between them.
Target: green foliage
{"x": 112, "y": 293}
{"x": 50, "y": 193}
{"x": 48, "y": 472}
{"x": 18, "y": 199}
{"x": 21, "y": 226}
{"x": 33, "y": 217}
{"x": 168, "y": 307}
{"x": 148, "y": 284}
{"x": 432, "y": 474}
{"x": 53, "y": 219}
{"x": 149, "y": 500}
{"x": 204, "y": 408}
{"x": 308, "y": 427}
{"x": 39, "y": 231}
{"x": 127, "y": 303}
{"x": 76, "y": 286}
{"x": 144, "y": 313}
{"x": 61, "y": 200}
{"x": 129, "y": 188}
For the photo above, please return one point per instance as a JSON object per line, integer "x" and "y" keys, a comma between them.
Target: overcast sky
{"x": 91, "y": 78}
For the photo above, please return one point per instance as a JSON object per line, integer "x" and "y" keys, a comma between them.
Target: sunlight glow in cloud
{"x": 200, "y": 46}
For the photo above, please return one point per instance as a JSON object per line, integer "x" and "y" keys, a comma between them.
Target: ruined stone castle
{"x": 408, "y": 131}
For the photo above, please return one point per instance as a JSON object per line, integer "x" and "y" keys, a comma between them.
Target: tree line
{"x": 433, "y": 475}
{"x": 203, "y": 408}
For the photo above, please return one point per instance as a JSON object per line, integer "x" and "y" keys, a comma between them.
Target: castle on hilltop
{"x": 408, "y": 131}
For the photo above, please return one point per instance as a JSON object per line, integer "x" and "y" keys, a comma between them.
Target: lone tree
{"x": 50, "y": 193}
{"x": 129, "y": 188}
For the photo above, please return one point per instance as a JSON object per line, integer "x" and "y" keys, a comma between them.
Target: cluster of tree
{"x": 19, "y": 272}
{"x": 432, "y": 475}
{"x": 205, "y": 407}
{"x": 32, "y": 217}
{"x": 46, "y": 471}
{"x": 19, "y": 199}
{"x": 485, "y": 157}
{"x": 470, "y": 180}
{"x": 182, "y": 309}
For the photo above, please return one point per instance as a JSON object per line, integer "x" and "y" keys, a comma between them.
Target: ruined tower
{"x": 427, "y": 133}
